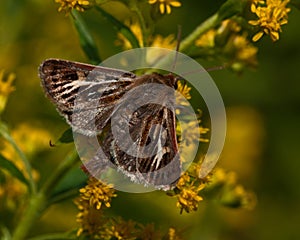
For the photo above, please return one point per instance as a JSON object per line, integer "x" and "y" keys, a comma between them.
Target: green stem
{"x": 38, "y": 201}
{"x": 201, "y": 29}
{"x": 33, "y": 211}
{"x": 144, "y": 29}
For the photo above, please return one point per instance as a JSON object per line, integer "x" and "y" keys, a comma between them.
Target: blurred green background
{"x": 263, "y": 108}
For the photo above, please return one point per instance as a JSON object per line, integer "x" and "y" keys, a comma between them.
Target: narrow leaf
{"x": 86, "y": 41}
{"x": 12, "y": 169}
{"x": 66, "y": 137}
{"x": 69, "y": 185}
{"x": 122, "y": 28}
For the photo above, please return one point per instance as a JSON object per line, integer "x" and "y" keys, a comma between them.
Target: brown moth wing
{"x": 84, "y": 90}
{"x": 151, "y": 123}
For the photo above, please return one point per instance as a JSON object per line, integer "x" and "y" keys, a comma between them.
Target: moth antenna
{"x": 214, "y": 68}
{"x": 177, "y": 46}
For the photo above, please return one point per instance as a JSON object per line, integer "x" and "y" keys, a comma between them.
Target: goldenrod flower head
{"x": 120, "y": 229}
{"x": 184, "y": 89}
{"x": 90, "y": 219}
{"x": 155, "y": 41}
{"x": 188, "y": 193}
{"x": 173, "y": 234}
{"x": 97, "y": 193}
{"x": 271, "y": 15}
{"x": 92, "y": 197}
{"x": 5, "y": 88}
{"x": 165, "y": 5}
{"x": 30, "y": 140}
{"x": 231, "y": 41}
{"x": 207, "y": 39}
{"x": 149, "y": 232}
{"x": 68, "y": 5}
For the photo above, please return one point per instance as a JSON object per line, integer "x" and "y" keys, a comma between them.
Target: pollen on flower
{"x": 68, "y": 5}
{"x": 271, "y": 15}
{"x": 165, "y": 5}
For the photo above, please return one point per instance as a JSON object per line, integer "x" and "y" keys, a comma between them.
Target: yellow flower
{"x": 231, "y": 41}
{"x": 155, "y": 41}
{"x": 188, "y": 193}
{"x": 89, "y": 203}
{"x": 97, "y": 193}
{"x": 271, "y": 15}
{"x": 5, "y": 88}
{"x": 184, "y": 90}
{"x": 207, "y": 39}
{"x": 91, "y": 220}
{"x": 173, "y": 234}
{"x": 68, "y": 5}
{"x": 120, "y": 229}
{"x": 30, "y": 140}
{"x": 165, "y": 5}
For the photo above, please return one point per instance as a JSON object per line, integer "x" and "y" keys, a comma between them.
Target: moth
{"x": 94, "y": 101}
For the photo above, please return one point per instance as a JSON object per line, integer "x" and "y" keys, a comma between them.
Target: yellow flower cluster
{"x": 184, "y": 90}
{"x": 30, "y": 140}
{"x": 165, "y": 5}
{"x": 97, "y": 193}
{"x": 68, "y": 5}
{"x": 95, "y": 225}
{"x": 271, "y": 15}
{"x": 120, "y": 229}
{"x": 188, "y": 193}
{"x": 92, "y": 197}
{"x": 155, "y": 41}
{"x": 6, "y": 88}
{"x": 233, "y": 194}
{"x": 231, "y": 42}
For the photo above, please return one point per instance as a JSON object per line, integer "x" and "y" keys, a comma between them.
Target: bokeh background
{"x": 263, "y": 112}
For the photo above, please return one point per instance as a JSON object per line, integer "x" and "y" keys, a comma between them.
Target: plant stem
{"x": 201, "y": 29}
{"x": 33, "y": 211}
{"x": 38, "y": 201}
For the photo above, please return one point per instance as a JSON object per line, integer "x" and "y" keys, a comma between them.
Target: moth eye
{"x": 175, "y": 84}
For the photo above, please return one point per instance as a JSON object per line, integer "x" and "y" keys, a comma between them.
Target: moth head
{"x": 172, "y": 79}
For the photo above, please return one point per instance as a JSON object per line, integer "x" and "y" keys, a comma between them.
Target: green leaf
{"x": 4, "y": 233}
{"x": 69, "y": 185}
{"x": 66, "y": 137}
{"x": 122, "y": 28}
{"x": 86, "y": 41}
{"x": 5, "y": 133}
{"x": 12, "y": 169}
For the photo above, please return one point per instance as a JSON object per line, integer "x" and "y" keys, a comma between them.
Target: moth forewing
{"x": 90, "y": 97}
